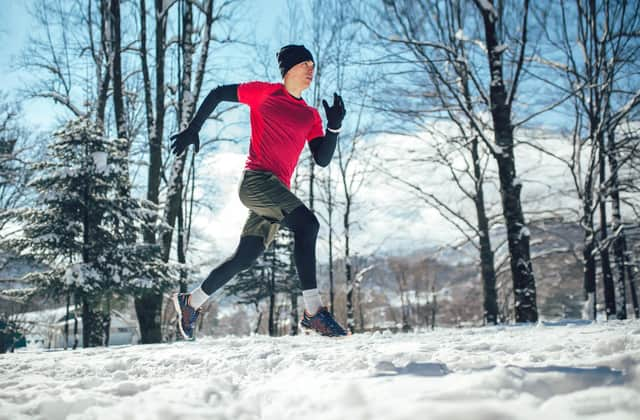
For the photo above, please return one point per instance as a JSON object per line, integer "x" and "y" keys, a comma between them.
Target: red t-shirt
{"x": 280, "y": 127}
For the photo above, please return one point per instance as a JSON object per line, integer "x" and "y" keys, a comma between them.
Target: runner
{"x": 281, "y": 123}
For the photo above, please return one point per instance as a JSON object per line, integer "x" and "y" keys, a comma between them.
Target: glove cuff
{"x": 334, "y": 125}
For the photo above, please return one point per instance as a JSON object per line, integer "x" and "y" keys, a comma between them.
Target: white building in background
{"x": 46, "y": 329}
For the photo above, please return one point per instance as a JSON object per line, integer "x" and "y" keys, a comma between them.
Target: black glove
{"x": 183, "y": 139}
{"x": 336, "y": 113}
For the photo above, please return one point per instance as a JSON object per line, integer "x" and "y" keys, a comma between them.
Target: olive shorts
{"x": 268, "y": 201}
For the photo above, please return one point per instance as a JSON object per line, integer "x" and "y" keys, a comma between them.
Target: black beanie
{"x": 290, "y": 55}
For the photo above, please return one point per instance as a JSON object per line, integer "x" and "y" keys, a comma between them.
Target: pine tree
{"x": 83, "y": 227}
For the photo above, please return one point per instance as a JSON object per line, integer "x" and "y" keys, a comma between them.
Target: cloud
{"x": 218, "y": 223}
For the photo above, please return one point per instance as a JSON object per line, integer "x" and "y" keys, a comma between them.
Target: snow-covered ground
{"x": 570, "y": 370}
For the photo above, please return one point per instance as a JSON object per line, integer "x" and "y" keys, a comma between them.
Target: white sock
{"x": 198, "y": 298}
{"x": 312, "y": 300}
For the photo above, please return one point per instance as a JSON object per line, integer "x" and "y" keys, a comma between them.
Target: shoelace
{"x": 194, "y": 315}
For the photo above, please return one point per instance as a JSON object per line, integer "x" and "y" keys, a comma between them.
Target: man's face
{"x": 301, "y": 74}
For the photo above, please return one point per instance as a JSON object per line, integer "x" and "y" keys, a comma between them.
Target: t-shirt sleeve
{"x": 251, "y": 93}
{"x": 316, "y": 127}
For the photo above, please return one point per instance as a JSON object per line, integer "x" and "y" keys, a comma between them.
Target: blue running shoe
{"x": 322, "y": 323}
{"x": 187, "y": 316}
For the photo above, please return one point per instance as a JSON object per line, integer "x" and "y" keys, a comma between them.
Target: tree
{"x": 78, "y": 228}
{"x": 600, "y": 77}
{"x": 467, "y": 91}
{"x": 438, "y": 39}
{"x": 14, "y": 147}
{"x": 177, "y": 209}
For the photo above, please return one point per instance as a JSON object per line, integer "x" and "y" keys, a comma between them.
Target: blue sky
{"x": 262, "y": 18}
{"x": 15, "y": 24}
{"x": 14, "y": 29}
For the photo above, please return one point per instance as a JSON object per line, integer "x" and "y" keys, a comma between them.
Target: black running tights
{"x": 304, "y": 225}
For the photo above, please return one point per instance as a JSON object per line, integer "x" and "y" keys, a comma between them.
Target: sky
{"x": 15, "y": 24}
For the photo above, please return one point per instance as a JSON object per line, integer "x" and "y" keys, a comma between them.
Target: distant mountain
{"x": 454, "y": 276}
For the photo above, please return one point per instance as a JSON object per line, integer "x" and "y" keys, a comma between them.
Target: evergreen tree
{"x": 83, "y": 227}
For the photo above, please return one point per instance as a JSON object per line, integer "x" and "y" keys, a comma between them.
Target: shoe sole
{"x": 309, "y": 331}
{"x": 312, "y": 332}
{"x": 176, "y": 305}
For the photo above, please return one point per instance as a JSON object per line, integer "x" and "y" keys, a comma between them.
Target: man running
{"x": 281, "y": 123}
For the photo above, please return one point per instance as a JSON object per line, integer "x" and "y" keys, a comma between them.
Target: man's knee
{"x": 302, "y": 221}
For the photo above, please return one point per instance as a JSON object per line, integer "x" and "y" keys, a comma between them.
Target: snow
{"x": 488, "y": 7}
{"x": 499, "y": 49}
{"x": 460, "y": 35}
{"x": 100, "y": 162}
{"x": 524, "y": 231}
{"x": 565, "y": 370}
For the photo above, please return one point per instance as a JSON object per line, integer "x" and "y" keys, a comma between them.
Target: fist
{"x": 183, "y": 139}
{"x": 335, "y": 113}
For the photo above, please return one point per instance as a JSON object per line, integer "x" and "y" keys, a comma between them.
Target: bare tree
{"x": 596, "y": 77}
{"x": 148, "y": 303}
{"x": 440, "y": 40}
{"x": 196, "y": 22}
{"x": 15, "y": 146}
{"x": 400, "y": 269}
{"x": 189, "y": 90}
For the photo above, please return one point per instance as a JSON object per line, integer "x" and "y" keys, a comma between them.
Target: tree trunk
{"x": 294, "y": 314}
{"x": 360, "y": 311}
{"x": 149, "y": 309}
{"x": 257, "y": 330}
{"x": 272, "y": 301}
{"x": 148, "y": 303}
{"x": 155, "y": 144}
{"x": 116, "y": 69}
{"x": 106, "y": 322}
{"x": 176, "y": 183}
{"x": 434, "y": 309}
{"x": 617, "y": 229}
{"x": 348, "y": 271}
{"x": 486, "y": 253}
{"x": 103, "y": 72}
{"x": 631, "y": 277}
{"x": 607, "y": 277}
{"x": 181, "y": 251}
{"x": 92, "y": 333}
{"x": 589, "y": 260}
{"x": 66, "y": 321}
{"x": 524, "y": 287}
{"x": 330, "y": 216}
{"x": 404, "y": 301}
{"x": 75, "y": 321}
